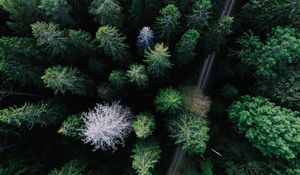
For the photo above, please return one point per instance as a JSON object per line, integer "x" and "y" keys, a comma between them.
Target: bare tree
{"x": 106, "y": 126}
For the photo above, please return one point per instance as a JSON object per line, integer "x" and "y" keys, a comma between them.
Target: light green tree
{"x": 274, "y": 130}
{"x": 137, "y": 75}
{"x": 71, "y": 126}
{"x": 143, "y": 125}
{"x": 169, "y": 101}
{"x": 73, "y": 167}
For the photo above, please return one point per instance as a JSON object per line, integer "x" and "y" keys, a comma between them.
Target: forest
{"x": 149, "y": 87}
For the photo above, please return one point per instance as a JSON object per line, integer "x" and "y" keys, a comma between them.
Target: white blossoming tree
{"x": 106, "y": 126}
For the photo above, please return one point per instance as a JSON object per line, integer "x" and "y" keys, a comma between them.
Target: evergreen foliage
{"x": 272, "y": 57}
{"x": 112, "y": 43}
{"x": 71, "y": 126}
{"x": 50, "y": 38}
{"x": 81, "y": 42}
{"x": 271, "y": 129}
{"x": 66, "y": 79}
{"x": 145, "y": 156}
{"x": 186, "y": 47}
{"x": 143, "y": 125}
{"x": 18, "y": 167}
{"x": 200, "y": 15}
{"x": 73, "y": 167}
{"x": 31, "y": 114}
{"x": 107, "y": 12}
{"x": 190, "y": 131}
{"x": 169, "y": 101}
{"x": 167, "y": 22}
{"x": 206, "y": 168}
{"x": 145, "y": 38}
{"x": 118, "y": 79}
{"x": 157, "y": 61}
{"x": 59, "y": 10}
{"x": 137, "y": 75}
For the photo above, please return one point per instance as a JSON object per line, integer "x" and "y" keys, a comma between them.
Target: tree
{"x": 18, "y": 56}
{"x": 73, "y": 167}
{"x": 22, "y": 14}
{"x": 266, "y": 14}
{"x": 200, "y": 14}
{"x": 281, "y": 49}
{"x": 144, "y": 157}
{"x": 81, "y": 42}
{"x": 167, "y": 22}
{"x": 50, "y": 38}
{"x": 107, "y": 12}
{"x": 185, "y": 48}
{"x": 207, "y": 167}
{"x": 169, "y": 101}
{"x": 284, "y": 89}
{"x": 190, "y": 131}
{"x": 145, "y": 38}
{"x": 112, "y": 43}
{"x": 117, "y": 79}
{"x": 59, "y": 10}
{"x": 157, "y": 61}
{"x": 66, "y": 79}
{"x": 137, "y": 75}
{"x": 143, "y": 125}
{"x": 31, "y": 114}
{"x": 106, "y": 126}
{"x": 71, "y": 126}
{"x": 271, "y": 129}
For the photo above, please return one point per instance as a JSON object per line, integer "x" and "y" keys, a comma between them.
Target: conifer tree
{"x": 167, "y": 22}
{"x": 169, "y": 101}
{"x": 186, "y": 47}
{"x": 117, "y": 79}
{"x": 143, "y": 125}
{"x": 66, "y": 79}
{"x": 200, "y": 14}
{"x": 17, "y": 58}
{"x": 107, "y": 12}
{"x": 112, "y": 43}
{"x": 73, "y": 167}
{"x": 58, "y": 10}
{"x": 145, "y": 38}
{"x": 81, "y": 42}
{"x": 157, "y": 61}
{"x": 145, "y": 156}
{"x": 50, "y": 38}
{"x": 190, "y": 131}
{"x": 31, "y": 114}
{"x": 71, "y": 126}
{"x": 137, "y": 75}
{"x": 136, "y": 13}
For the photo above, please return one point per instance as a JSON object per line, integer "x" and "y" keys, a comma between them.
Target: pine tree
{"x": 71, "y": 126}
{"x": 145, "y": 38}
{"x": 81, "y": 42}
{"x": 143, "y": 125}
{"x": 144, "y": 157}
{"x": 167, "y": 22}
{"x": 136, "y": 13}
{"x": 66, "y": 79}
{"x": 107, "y": 12}
{"x": 190, "y": 131}
{"x": 117, "y": 79}
{"x": 73, "y": 167}
{"x": 137, "y": 75}
{"x": 59, "y": 10}
{"x": 200, "y": 14}
{"x": 157, "y": 61}
{"x": 22, "y": 14}
{"x": 186, "y": 47}
{"x": 50, "y": 38}
{"x": 112, "y": 43}
{"x": 169, "y": 101}
{"x": 31, "y": 114}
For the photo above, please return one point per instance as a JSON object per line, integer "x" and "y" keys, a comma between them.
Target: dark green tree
{"x": 31, "y": 114}
{"x": 167, "y": 22}
{"x": 143, "y": 125}
{"x": 58, "y": 10}
{"x": 190, "y": 131}
{"x": 50, "y": 38}
{"x": 200, "y": 14}
{"x": 112, "y": 43}
{"x": 281, "y": 49}
{"x": 186, "y": 46}
{"x": 73, "y": 167}
{"x": 81, "y": 43}
{"x": 274, "y": 130}
{"x": 117, "y": 79}
{"x": 71, "y": 126}
{"x": 145, "y": 156}
{"x": 137, "y": 75}
{"x": 157, "y": 61}
{"x": 169, "y": 101}
{"x": 107, "y": 12}
{"x": 66, "y": 79}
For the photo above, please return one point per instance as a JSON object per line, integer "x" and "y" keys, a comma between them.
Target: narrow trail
{"x": 201, "y": 84}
